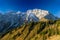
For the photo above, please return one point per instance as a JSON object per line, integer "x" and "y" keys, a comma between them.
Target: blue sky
{"x": 23, "y": 5}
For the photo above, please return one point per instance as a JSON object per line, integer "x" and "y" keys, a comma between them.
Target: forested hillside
{"x": 43, "y": 30}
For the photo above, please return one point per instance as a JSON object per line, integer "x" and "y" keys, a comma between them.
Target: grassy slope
{"x": 35, "y": 31}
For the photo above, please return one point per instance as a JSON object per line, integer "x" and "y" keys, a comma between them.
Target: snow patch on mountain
{"x": 38, "y": 13}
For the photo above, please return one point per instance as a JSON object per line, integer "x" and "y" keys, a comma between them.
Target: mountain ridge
{"x": 13, "y": 20}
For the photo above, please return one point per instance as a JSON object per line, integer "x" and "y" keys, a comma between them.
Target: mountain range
{"x": 12, "y": 20}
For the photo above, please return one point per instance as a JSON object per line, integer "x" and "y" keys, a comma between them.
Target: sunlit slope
{"x": 43, "y": 30}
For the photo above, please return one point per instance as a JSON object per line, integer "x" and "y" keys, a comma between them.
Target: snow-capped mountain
{"x": 40, "y": 14}
{"x": 12, "y": 19}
